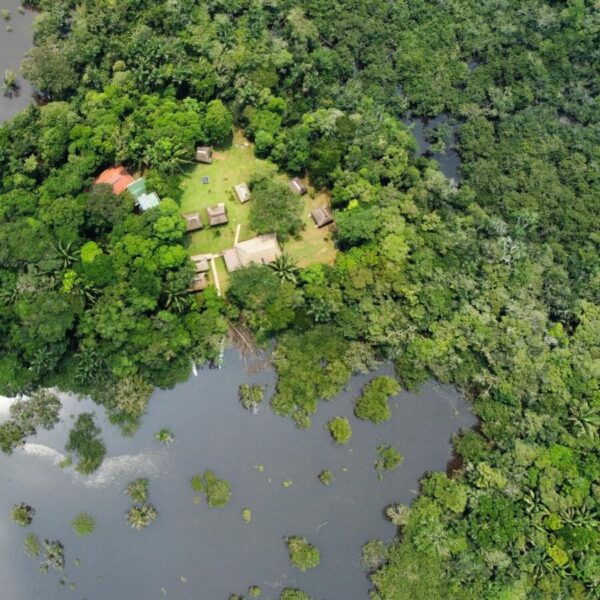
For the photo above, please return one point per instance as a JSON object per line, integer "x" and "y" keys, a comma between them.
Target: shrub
{"x": 291, "y": 594}
{"x": 374, "y": 554}
{"x": 54, "y": 556}
{"x": 373, "y": 402}
{"x": 137, "y": 490}
{"x": 33, "y": 547}
{"x": 340, "y": 429}
{"x": 390, "y": 458}
{"x": 22, "y": 514}
{"x": 302, "y": 554}
{"x": 85, "y": 441}
{"x": 84, "y": 524}
{"x": 326, "y": 477}
{"x": 217, "y": 491}
{"x": 141, "y": 516}
{"x": 251, "y": 396}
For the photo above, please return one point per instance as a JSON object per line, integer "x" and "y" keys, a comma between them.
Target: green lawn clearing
{"x": 234, "y": 165}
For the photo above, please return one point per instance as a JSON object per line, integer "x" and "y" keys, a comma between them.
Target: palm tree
{"x": 177, "y": 299}
{"x": 586, "y": 419}
{"x": 167, "y": 157}
{"x": 140, "y": 517}
{"x": 285, "y": 267}
{"x": 55, "y": 556}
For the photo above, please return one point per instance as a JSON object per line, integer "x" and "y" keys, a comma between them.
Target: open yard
{"x": 234, "y": 165}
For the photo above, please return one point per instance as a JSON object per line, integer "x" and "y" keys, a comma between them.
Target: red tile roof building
{"x": 117, "y": 177}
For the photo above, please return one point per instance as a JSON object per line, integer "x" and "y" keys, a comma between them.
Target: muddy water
{"x": 13, "y": 46}
{"x": 193, "y": 551}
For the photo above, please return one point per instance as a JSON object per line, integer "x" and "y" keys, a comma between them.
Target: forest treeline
{"x": 492, "y": 285}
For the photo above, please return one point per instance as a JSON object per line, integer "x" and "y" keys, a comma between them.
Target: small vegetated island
{"x": 148, "y": 202}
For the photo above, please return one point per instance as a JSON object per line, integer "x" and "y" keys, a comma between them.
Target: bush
{"x": 140, "y": 517}
{"x": 340, "y": 429}
{"x": 85, "y": 441}
{"x": 84, "y": 524}
{"x": 374, "y": 554}
{"x": 291, "y": 594}
{"x": 251, "y": 396}
{"x": 22, "y": 514}
{"x": 302, "y": 554}
{"x": 373, "y": 402}
{"x": 33, "y": 547}
{"x": 390, "y": 458}
{"x": 138, "y": 490}
{"x": 217, "y": 491}
{"x": 326, "y": 477}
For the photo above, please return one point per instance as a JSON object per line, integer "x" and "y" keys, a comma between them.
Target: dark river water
{"x": 449, "y": 160}
{"x": 192, "y": 550}
{"x": 13, "y": 46}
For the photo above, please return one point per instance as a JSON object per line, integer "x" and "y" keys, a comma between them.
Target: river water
{"x": 13, "y": 46}
{"x": 193, "y": 551}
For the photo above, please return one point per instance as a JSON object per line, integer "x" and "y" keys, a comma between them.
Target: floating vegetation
{"x": 84, "y": 524}
{"x": 340, "y": 430}
{"x": 33, "y": 547}
{"x": 138, "y": 490}
{"x": 216, "y": 490}
{"x": 247, "y": 515}
{"x": 65, "y": 462}
{"x": 326, "y": 477}
{"x": 287, "y": 483}
{"x": 5, "y": 14}
{"x": 165, "y": 436}
{"x": 259, "y": 468}
{"x": 139, "y": 517}
{"x": 390, "y": 458}
{"x": 302, "y": 554}
{"x": 54, "y": 556}
{"x": 22, "y": 514}
{"x": 254, "y": 591}
{"x": 183, "y": 579}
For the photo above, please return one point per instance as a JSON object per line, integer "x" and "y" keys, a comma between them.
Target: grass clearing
{"x": 237, "y": 164}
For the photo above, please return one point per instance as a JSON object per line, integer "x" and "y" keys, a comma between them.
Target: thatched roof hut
{"x": 204, "y": 154}
{"x": 217, "y": 215}
{"x": 242, "y": 191}
{"x": 260, "y": 250}
{"x": 297, "y": 187}
{"x": 201, "y": 262}
{"x": 199, "y": 283}
{"x": 322, "y": 216}
{"x": 192, "y": 221}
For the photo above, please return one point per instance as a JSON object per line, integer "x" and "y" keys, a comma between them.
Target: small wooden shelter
{"x": 322, "y": 216}
{"x": 242, "y": 191}
{"x": 204, "y": 154}
{"x": 217, "y": 215}
{"x": 201, "y": 262}
{"x": 199, "y": 283}
{"x": 193, "y": 221}
{"x": 298, "y": 187}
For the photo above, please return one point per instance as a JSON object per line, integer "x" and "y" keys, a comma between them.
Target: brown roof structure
{"x": 201, "y": 262}
{"x": 260, "y": 250}
{"x": 217, "y": 215}
{"x": 193, "y": 221}
{"x": 117, "y": 177}
{"x": 322, "y": 216}
{"x": 297, "y": 186}
{"x": 199, "y": 283}
{"x": 242, "y": 191}
{"x": 204, "y": 154}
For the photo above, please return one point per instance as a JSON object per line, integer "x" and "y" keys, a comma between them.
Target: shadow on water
{"x": 448, "y": 160}
{"x": 13, "y": 47}
{"x": 193, "y": 550}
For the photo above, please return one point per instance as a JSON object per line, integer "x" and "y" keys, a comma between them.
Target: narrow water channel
{"x": 193, "y": 551}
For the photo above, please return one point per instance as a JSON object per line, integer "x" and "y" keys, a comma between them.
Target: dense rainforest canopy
{"x": 492, "y": 285}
